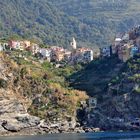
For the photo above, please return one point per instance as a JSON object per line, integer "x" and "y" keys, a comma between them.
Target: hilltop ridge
{"x": 94, "y": 24}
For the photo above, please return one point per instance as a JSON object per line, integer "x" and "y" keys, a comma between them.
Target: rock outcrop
{"x": 13, "y": 106}
{"x": 18, "y": 93}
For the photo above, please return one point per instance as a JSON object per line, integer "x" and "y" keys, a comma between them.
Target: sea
{"x": 86, "y": 136}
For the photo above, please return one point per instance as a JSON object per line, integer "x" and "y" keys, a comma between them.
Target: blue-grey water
{"x": 88, "y": 136}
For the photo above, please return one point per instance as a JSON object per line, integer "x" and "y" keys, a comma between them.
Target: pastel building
{"x": 115, "y": 45}
{"x": 15, "y": 45}
{"x": 27, "y": 43}
{"x": 125, "y": 37}
{"x": 124, "y": 52}
{"x": 57, "y": 53}
{"x": 34, "y": 48}
{"x": 134, "y": 51}
{"x": 46, "y": 53}
{"x": 137, "y": 42}
{"x": 67, "y": 55}
{"x": 88, "y": 55}
{"x": 106, "y": 52}
{"x": 82, "y": 55}
{"x": 19, "y": 45}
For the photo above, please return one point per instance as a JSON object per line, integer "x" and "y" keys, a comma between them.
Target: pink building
{"x": 14, "y": 44}
{"x": 19, "y": 45}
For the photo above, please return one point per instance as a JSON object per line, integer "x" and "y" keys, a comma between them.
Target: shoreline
{"x": 38, "y": 132}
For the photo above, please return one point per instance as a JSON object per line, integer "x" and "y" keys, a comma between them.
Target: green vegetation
{"x": 128, "y": 79}
{"x": 45, "y": 86}
{"x": 94, "y": 79}
{"x": 55, "y": 22}
{"x": 109, "y": 76}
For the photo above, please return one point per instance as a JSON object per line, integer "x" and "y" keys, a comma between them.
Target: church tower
{"x": 74, "y": 44}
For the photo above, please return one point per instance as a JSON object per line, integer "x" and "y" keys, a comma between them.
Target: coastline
{"x": 44, "y": 131}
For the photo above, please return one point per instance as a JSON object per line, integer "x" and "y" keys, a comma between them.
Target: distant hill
{"x": 55, "y": 22}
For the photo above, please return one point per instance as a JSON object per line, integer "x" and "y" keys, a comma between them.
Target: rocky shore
{"x": 14, "y": 105}
{"x": 15, "y": 120}
{"x": 29, "y": 125}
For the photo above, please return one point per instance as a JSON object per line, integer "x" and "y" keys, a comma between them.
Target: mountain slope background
{"x": 93, "y": 23}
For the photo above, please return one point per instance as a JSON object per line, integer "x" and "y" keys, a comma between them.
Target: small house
{"x": 14, "y": 44}
{"x": 106, "y": 52}
{"x": 88, "y": 55}
{"x": 46, "y": 53}
{"x": 92, "y": 104}
{"x": 67, "y": 55}
{"x": 34, "y": 48}
{"x": 134, "y": 51}
{"x": 1, "y": 47}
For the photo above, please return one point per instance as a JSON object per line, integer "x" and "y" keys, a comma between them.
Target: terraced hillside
{"x": 99, "y": 20}
{"x": 55, "y": 22}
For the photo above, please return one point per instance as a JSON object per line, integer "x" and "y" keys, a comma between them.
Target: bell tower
{"x": 74, "y": 44}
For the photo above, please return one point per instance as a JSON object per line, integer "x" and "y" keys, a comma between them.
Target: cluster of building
{"x": 125, "y": 45}
{"x": 53, "y": 53}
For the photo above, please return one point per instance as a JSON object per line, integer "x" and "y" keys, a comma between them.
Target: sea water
{"x": 86, "y": 136}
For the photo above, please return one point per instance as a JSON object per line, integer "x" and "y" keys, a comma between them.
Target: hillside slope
{"x": 94, "y": 79}
{"x": 93, "y": 23}
{"x": 101, "y": 20}
{"x": 118, "y": 108}
{"x": 34, "y": 19}
{"x": 34, "y": 98}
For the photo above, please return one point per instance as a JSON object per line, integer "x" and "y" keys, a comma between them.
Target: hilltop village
{"x": 51, "y": 54}
{"x": 125, "y": 45}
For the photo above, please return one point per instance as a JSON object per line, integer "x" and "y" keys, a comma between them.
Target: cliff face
{"x": 95, "y": 77}
{"x": 118, "y": 107}
{"x": 30, "y": 103}
{"x": 13, "y": 106}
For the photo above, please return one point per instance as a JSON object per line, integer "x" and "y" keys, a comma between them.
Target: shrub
{"x": 3, "y": 83}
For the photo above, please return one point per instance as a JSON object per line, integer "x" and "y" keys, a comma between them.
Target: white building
{"x": 92, "y": 102}
{"x": 74, "y": 44}
{"x": 106, "y": 52}
{"x": 88, "y": 55}
{"x": 125, "y": 37}
{"x": 35, "y": 48}
{"x": 46, "y": 53}
{"x": 1, "y": 47}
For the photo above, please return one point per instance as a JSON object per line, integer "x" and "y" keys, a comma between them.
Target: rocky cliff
{"x": 30, "y": 103}
{"x": 118, "y": 105}
{"x": 13, "y": 106}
